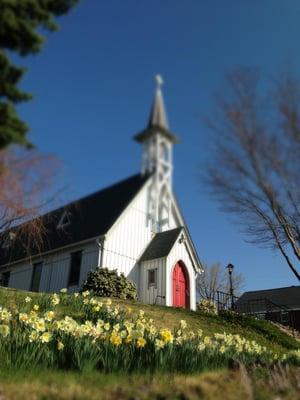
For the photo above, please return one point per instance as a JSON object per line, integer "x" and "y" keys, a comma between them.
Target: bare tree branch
{"x": 255, "y": 173}
{"x": 26, "y": 180}
{"x": 214, "y": 278}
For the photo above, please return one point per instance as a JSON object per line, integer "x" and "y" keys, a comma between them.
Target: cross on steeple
{"x": 157, "y": 141}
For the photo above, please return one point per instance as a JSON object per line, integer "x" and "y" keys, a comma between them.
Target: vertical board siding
{"x": 179, "y": 253}
{"x": 129, "y": 238}
{"x": 21, "y": 278}
{"x": 56, "y": 267}
{"x": 152, "y": 295}
{"x": 46, "y": 277}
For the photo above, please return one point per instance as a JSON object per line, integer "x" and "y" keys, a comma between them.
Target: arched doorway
{"x": 181, "y": 290}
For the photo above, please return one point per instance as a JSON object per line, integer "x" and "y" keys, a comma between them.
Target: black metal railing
{"x": 260, "y": 307}
{"x": 225, "y": 301}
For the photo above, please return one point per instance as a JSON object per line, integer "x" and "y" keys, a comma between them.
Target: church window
{"x": 75, "y": 268}
{"x": 152, "y": 278}
{"x": 164, "y": 152}
{"x": 5, "y": 278}
{"x": 36, "y": 277}
{"x": 285, "y": 317}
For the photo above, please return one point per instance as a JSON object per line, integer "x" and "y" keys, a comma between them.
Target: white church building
{"x": 134, "y": 226}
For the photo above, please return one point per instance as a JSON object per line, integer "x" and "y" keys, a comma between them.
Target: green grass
{"x": 38, "y": 382}
{"x": 218, "y": 385}
{"x": 263, "y": 332}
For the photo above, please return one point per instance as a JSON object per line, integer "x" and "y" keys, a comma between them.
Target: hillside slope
{"x": 263, "y": 332}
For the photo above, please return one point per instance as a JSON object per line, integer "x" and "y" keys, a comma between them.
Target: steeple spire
{"x": 158, "y": 121}
{"x": 158, "y": 116}
{"x": 157, "y": 141}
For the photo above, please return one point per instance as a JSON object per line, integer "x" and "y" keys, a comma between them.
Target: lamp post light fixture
{"x": 230, "y": 268}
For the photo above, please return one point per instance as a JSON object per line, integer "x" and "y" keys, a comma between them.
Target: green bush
{"x": 105, "y": 282}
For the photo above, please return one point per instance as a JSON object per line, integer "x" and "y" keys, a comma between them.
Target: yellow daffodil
{"x": 45, "y": 337}
{"x": 60, "y": 346}
{"x": 141, "y": 342}
{"x": 115, "y": 339}
{"x": 166, "y": 335}
{"x": 39, "y": 325}
{"x": 201, "y": 346}
{"x": 183, "y": 324}
{"x": 159, "y": 344}
{"x": 5, "y": 315}
{"x": 23, "y": 317}
{"x": 4, "y": 330}
{"x": 55, "y": 299}
{"x": 222, "y": 349}
{"x": 49, "y": 316}
{"x": 33, "y": 336}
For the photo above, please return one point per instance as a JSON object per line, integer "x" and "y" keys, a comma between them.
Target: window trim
{"x": 74, "y": 283}
{"x": 154, "y": 283}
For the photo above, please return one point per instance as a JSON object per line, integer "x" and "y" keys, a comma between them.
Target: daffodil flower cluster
{"x": 109, "y": 325}
{"x": 5, "y": 318}
{"x": 207, "y": 306}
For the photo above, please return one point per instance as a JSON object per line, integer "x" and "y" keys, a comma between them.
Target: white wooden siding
{"x": 153, "y": 295}
{"x": 21, "y": 278}
{"x": 129, "y": 237}
{"x": 56, "y": 267}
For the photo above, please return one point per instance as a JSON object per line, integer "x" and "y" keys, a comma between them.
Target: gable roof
{"x": 161, "y": 245}
{"x": 286, "y": 296}
{"x": 181, "y": 217}
{"x": 89, "y": 217}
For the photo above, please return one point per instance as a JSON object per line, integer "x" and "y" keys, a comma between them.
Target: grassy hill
{"x": 261, "y": 331}
{"x": 36, "y": 381}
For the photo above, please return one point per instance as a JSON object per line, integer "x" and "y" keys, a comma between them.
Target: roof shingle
{"x": 161, "y": 245}
{"x": 285, "y": 296}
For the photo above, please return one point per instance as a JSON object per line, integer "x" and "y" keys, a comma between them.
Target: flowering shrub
{"x": 108, "y": 283}
{"x": 207, "y": 306}
{"x": 112, "y": 339}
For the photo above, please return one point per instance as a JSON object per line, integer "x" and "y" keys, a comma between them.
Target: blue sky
{"x": 93, "y": 86}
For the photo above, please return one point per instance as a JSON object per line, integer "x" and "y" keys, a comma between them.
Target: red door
{"x": 180, "y": 287}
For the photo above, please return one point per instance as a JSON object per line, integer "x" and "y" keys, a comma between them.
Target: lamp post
{"x": 230, "y": 268}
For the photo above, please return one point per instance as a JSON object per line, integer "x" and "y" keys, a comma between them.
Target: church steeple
{"x": 157, "y": 141}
